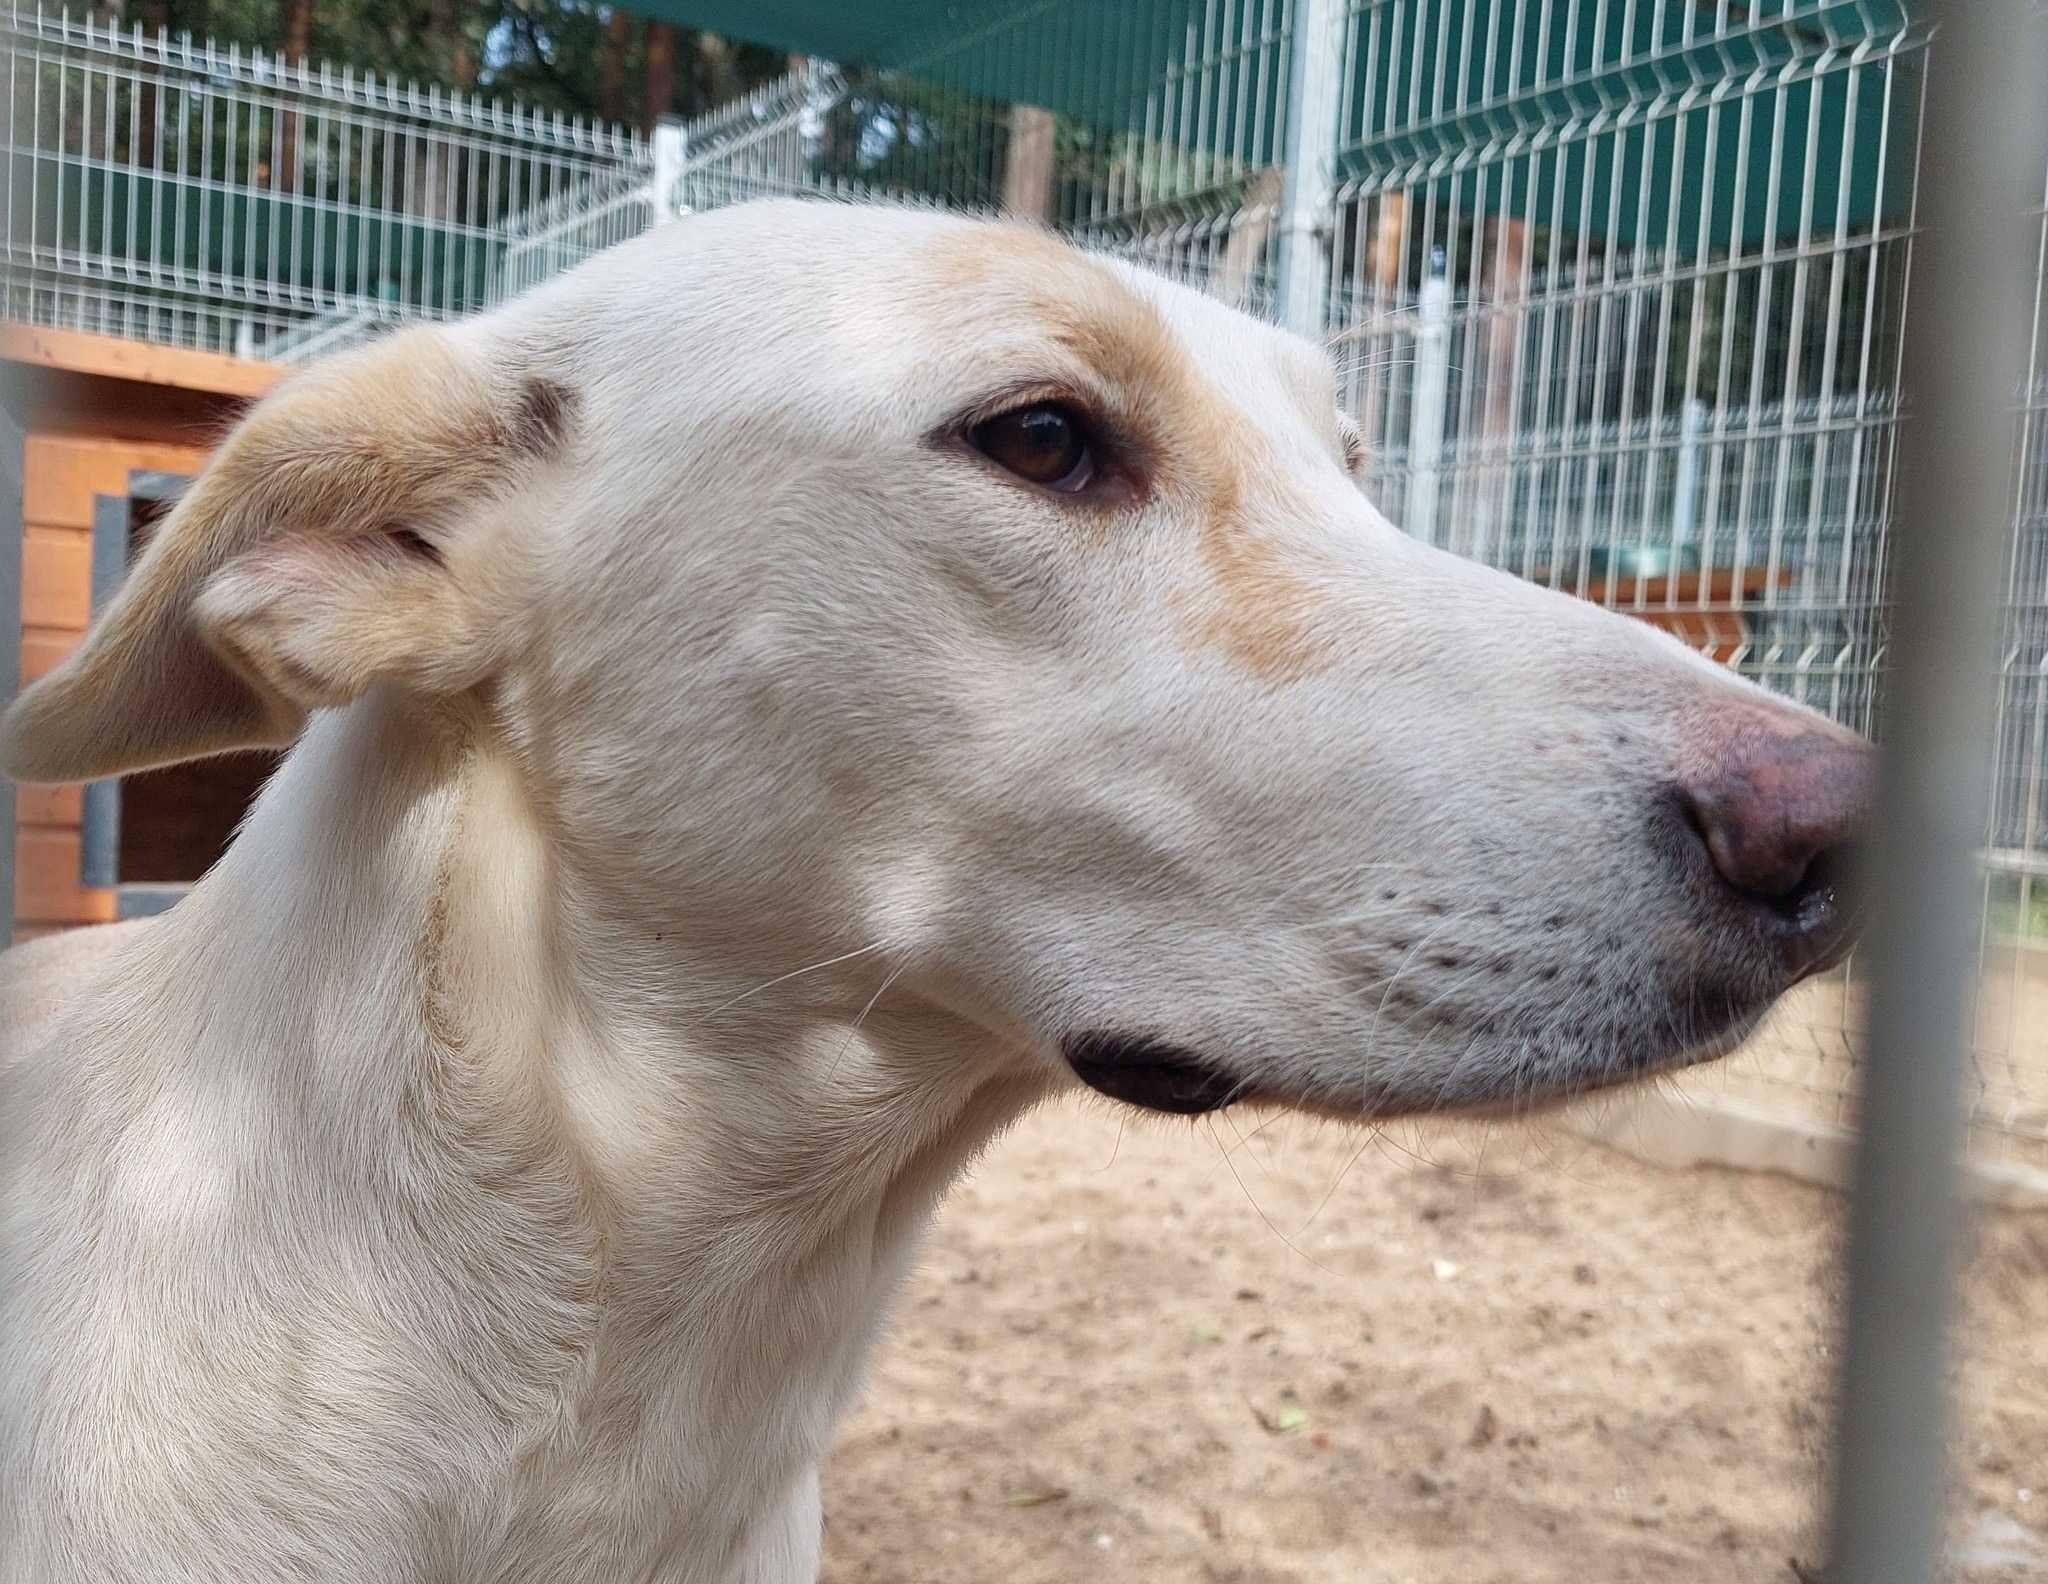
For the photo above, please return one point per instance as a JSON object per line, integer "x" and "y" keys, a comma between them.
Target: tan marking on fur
{"x": 974, "y": 256}
{"x": 1264, "y": 619}
{"x": 1260, "y": 609}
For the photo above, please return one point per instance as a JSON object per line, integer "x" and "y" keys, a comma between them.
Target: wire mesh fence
{"x": 1620, "y": 291}
{"x": 165, "y": 189}
{"x": 1617, "y": 290}
{"x": 1151, "y": 131}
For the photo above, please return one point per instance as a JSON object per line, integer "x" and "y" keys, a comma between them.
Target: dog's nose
{"x": 1779, "y": 800}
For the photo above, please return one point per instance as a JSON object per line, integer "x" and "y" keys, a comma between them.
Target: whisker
{"x": 854, "y": 1033}
{"x": 1330, "y": 1193}
{"x": 1257, "y": 1207}
{"x": 1243, "y": 1143}
{"x": 1115, "y": 1149}
{"x": 794, "y": 973}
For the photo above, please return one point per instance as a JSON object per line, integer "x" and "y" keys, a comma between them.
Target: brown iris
{"x": 1045, "y": 444}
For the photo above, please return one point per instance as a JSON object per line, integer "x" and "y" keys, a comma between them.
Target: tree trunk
{"x": 1385, "y": 261}
{"x": 1028, "y": 164}
{"x": 295, "y": 42}
{"x": 444, "y": 27}
{"x": 611, "y": 66}
{"x": 155, "y": 16}
{"x": 295, "y": 29}
{"x": 1258, "y": 215}
{"x": 1505, "y": 270}
{"x": 717, "y": 71}
{"x": 661, "y": 73}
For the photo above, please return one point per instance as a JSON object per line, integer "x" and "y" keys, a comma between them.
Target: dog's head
{"x": 852, "y": 582}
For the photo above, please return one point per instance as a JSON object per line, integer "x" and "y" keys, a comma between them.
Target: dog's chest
{"x": 688, "y": 1451}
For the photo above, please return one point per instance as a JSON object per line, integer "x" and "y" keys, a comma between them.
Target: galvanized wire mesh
{"x": 163, "y": 188}
{"x": 1619, "y": 290}
{"x": 1162, "y": 145}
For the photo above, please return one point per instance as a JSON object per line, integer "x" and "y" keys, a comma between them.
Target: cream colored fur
{"x": 719, "y": 794}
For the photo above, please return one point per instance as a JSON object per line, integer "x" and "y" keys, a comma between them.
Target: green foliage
{"x": 544, "y": 53}
{"x": 2018, "y": 910}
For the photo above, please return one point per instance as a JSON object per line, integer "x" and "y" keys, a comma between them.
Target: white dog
{"x": 771, "y": 706}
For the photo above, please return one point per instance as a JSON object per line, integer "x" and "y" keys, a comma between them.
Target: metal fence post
{"x": 1426, "y": 412}
{"x": 669, "y": 143}
{"x": 1313, "y": 105}
{"x": 13, "y": 393}
{"x": 1984, "y": 136}
{"x": 99, "y": 825}
{"x": 1685, "y": 486}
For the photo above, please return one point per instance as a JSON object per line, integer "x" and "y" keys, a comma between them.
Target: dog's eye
{"x": 1046, "y": 444}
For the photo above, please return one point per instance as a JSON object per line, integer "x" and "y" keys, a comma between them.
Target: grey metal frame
{"x": 99, "y": 863}
{"x": 99, "y": 823}
{"x": 11, "y": 537}
{"x": 1985, "y": 124}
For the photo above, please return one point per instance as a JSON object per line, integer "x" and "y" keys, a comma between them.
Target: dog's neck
{"x": 722, "y": 1216}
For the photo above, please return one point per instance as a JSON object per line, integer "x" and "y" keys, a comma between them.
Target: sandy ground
{"x": 1127, "y": 1355}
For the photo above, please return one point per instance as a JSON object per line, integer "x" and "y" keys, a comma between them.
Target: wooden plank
{"x": 56, "y": 578}
{"x": 1717, "y": 587}
{"x": 1716, "y": 634}
{"x": 48, "y": 805}
{"x": 43, "y": 647}
{"x": 13, "y": 392}
{"x": 62, "y": 473}
{"x": 86, "y": 407}
{"x": 116, "y": 358}
{"x": 46, "y": 888}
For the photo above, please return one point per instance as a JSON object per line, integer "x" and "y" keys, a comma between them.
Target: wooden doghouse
{"x": 110, "y": 430}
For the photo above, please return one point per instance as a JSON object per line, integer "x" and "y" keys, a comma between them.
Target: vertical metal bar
{"x": 1985, "y": 127}
{"x": 1313, "y": 98}
{"x": 669, "y": 153}
{"x": 14, "y": 378}
{"x": 99, "y": 833}
{"x": 1426, "y": 415}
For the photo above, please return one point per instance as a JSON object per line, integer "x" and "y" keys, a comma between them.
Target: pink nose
{"x": 1779, "y": 798}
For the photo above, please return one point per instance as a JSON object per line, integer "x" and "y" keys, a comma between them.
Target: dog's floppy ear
{"x": 341, "y": 537}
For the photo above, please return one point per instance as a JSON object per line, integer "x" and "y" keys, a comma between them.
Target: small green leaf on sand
{"x": 1289, "y": 1418}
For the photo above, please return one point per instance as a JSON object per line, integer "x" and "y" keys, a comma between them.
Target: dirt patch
{"x": 1140, "y": 1351}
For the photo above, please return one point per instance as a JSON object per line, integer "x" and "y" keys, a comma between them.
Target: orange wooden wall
{"x": 103, "y": 409}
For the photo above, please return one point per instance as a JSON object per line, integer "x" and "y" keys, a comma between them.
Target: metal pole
{"x": 1312, "y": 110}
{"x": 1685, "y": 489}
{"x": 1426, "y": 416}
{"x": 1984, "y": 140}
{"x": 13, "y": 416}
{"x": 667, "y": 174}
{"x": 15, "y": 413}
